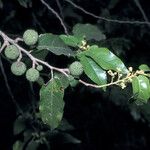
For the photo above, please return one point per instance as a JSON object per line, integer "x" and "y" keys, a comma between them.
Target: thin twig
{"x": 4, "y": 45}
{"x": 8, "y": 87}
{"x": 60, "y": 8}
{"x": 129, "y": 77}
{"x": 136, "y": 22}
{"x": 56, "y": 14}
{"x": 141, "y": 10}
{"x": 18, "y": 40}
{"x": 37, "y": 22}
{"x": 32, "y": 96}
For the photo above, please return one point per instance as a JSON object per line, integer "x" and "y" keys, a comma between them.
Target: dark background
{"x": 100, "y": 120}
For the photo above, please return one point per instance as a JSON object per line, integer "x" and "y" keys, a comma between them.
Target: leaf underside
{"x": 51, "y": 103}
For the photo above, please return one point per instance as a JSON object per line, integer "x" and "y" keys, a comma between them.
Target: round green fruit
{"x": 30, "y": 37}
{"x": 32, "y": 74}
{"x": 70, "y": 78}
{"x": 76, "y": 68}
{"x": 18, "y": 68}
{"x": 11, "y": 52}
{"x": 39, "y": 67}
{"x": 74, "y": 83}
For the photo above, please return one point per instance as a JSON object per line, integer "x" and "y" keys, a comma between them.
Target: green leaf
{"x": 106, "y": 59}
{"x": 51, "y": 103}
{"x": 18, "y": 145}
{"x": 63, "y": 79}
{"x": 145, "y": 111}
{"x": 71, "y": 40}
{"x": 54, "y": 44}
{"x": 68, "y": 138}
{"x": 65, "y": 126}
{"x": 144, "y": 67}
{"x": 40, "y": 81}
{"x": 40, "y": 54}
{"x": 94, "y": 71}
{"x": 112, "y": 4}
{"x": 141, "y": 89}
{"x": 90, "y": 32}
{"x": 25, "y": 3}
{"x": 119, "y": 45}
{"x": 27, "y": 135}
{"x": 19, "y": 125}
{"x": 32, "y": 145}
{"x": 1, "y": 4}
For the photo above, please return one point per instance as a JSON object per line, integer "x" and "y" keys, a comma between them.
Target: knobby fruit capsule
{"x": 18, "y": 68}
{"x": 11, "y": 52}
{"x": 32, "y": 74}
{"x": 30, "y": 37}
{"x": 74, "y": 83}
{"x": 76, "y": 68}
{"x": 39, "y": 67}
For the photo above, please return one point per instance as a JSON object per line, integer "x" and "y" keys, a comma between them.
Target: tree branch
{"x": 34, "y": 60}
{"x": 56, "y": 14}
{"x": 136, "y": 22}
{"x": 60, "y": 8}
{"x": 141, "y": 10}
{"x": 124, "y": 80}
{"x": 8, "y": 87}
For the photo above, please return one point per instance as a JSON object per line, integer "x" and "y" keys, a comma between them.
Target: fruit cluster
{"x": 18, "y": 68}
